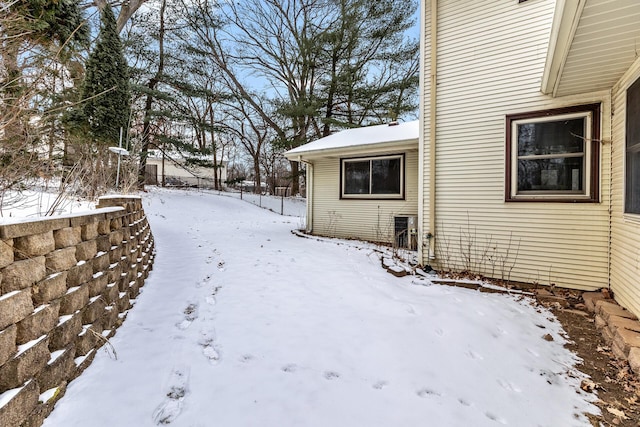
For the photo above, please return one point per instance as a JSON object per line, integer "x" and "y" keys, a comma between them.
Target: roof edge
{"x": 566, "y": 17}
{"x": 363, "y": 148}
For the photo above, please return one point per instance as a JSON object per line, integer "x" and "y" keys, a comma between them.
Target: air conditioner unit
{"x": 406, "y": 232}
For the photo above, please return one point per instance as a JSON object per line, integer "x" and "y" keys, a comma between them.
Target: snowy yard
{"x": 242, "y": 323}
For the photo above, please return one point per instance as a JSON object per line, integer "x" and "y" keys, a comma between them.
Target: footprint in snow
{"x": 177, "y": 390}
{"x": 211, "y": 353}
{"x": 209, "y": 349}
{"x": 190, "y": 314}
{"x": 221, "y": 266}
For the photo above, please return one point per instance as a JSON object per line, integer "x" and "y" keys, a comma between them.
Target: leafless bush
{"x": 479, "y": 255}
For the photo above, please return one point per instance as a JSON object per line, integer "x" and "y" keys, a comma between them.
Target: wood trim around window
{"x": 594, "y": 161}
{"x": 393, "y": 197}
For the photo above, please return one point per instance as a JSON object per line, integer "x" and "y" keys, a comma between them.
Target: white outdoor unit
{"x": 406, "y": 231}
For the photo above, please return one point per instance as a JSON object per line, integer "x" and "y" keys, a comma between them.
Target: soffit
{"x": 605, "y": 44}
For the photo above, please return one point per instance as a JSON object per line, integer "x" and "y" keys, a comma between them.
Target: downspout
{"x": 432, "y": 126}
{"x": 309, "y": 190}
{"x": 422, "y": 236}
{"x": 610, "y": 195}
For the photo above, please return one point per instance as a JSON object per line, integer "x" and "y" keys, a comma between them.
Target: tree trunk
{"x": 295, "y": 177}
{"x": 256, "y": 173}
{"x": 153, "y": 82}
{"x": 214, "y": 147}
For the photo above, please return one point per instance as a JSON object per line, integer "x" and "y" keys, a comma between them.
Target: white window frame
{"x": 372, "y": 196}
{"x": 587, "y": 194}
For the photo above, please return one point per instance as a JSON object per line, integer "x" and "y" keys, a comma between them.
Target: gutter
{"x": 432, "y": 125}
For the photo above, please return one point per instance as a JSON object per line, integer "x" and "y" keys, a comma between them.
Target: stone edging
{"x": 619, "y": 327}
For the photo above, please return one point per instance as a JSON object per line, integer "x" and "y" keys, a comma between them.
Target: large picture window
{"x": 373, "y": 177}
{"x": 632, "y": 154}
{"x": 553, "y": 155}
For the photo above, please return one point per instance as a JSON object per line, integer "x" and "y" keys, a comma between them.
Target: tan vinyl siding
{"x": 362, "y": 219}
{"x": 491, "y": 56}
{"x": 625, "y": 228}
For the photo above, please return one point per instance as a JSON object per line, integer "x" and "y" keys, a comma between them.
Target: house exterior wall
{"x": 490, "y": 60}
{"x": 625, "y": 228}
{"x": 363, "y": 219}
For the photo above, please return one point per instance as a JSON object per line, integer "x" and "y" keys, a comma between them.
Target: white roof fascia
{"x": 355, "y": 150}
{"x": 563, "y": 29}
{"x": 368, "y": 139}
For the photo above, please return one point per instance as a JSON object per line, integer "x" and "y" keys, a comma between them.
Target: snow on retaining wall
{"x": 66, "y": 284}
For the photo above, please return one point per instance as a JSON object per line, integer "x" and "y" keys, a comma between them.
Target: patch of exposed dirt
{"x": 617, "y": 387}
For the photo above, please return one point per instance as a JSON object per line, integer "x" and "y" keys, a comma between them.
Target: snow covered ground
{"x": 290, "y": 206}
{"x": 32, "y": 204}
{"x": 242, "y": 323}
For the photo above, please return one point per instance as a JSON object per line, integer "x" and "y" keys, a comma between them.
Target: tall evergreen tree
{"x": 105, "y": 92}
{"x": 39, "y": 36}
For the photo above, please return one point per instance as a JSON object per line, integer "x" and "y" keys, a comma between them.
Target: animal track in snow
{"x": 380, "y": 385}
{"x": 331, "y": 375}
{"x": 463, "y": 402}
{"x": 494, "y": 417}
{"x": 410, "y": 309}
{"x": 290, "y": 368}
{"x": 177, "y": 390}
{"x": 221, "y": 266}
{"x": 426, "y": 392}
{"x": 473, "y": 355}
{"x": 508, "y": 386}
{"x": 246, "y": 358}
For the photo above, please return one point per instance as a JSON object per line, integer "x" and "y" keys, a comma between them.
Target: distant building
{"x": 173, "y": 170}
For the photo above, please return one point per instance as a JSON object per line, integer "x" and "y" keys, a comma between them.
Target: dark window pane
{"x": 562, "y": 136}
{"x": 632, "y": 184}
{"x": 632, "y": 178}
{"x": 356, "y": 177}
{"x": 385, "y": 176}
{"x": 559, "y": 174}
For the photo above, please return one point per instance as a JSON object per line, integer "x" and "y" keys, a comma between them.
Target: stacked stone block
{"x": 66, "y": 284}
{"x": 619, "y": 327}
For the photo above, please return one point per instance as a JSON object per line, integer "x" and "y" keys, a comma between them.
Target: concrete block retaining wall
{"x": 66, "y": 284}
